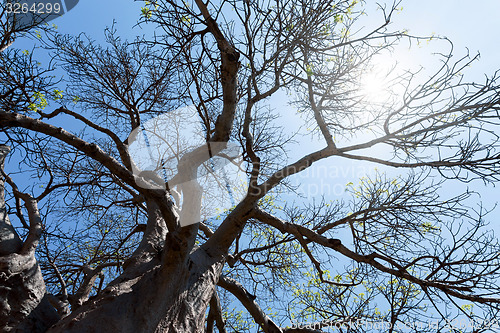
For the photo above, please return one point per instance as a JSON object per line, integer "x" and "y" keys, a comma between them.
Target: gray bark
{"x": 171, "y": 298}
{"x": 23, "y": 304}
{"x": 154, "y": 294}
{"x": 9, "y": 239}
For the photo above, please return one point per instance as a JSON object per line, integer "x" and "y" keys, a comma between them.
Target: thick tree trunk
{"x": 23, "y": 304}
{"x": 172, "y": 298}
{"x": 159, "y": 291}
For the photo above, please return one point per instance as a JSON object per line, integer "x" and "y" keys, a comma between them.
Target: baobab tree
{"x": 102, "y": 241}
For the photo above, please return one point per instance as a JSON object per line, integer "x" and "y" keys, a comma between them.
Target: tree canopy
{"x": 154, "y": 184}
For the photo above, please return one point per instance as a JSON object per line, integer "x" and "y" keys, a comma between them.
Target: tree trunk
{"x": 23, "y": 304}
{"x": 171, "y": 298}
{"x": 159, "y": 291}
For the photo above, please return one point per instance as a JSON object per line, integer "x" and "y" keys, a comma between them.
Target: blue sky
{"x": 472, "y": 27}
{"x": 469, "y": 26}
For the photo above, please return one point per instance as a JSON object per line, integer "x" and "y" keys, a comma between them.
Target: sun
{"x": 374, "y": 88}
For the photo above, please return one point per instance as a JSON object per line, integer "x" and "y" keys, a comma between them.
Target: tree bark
{"x": 171, "y": 298}
{"x": 9, "y": 239}
{"x": 152, "y": 295}
{"x": 24, "y": 306}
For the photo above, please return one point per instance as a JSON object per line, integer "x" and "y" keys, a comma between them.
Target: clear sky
{"x": 472, "y": 25}
{"x": 469, "y": 26}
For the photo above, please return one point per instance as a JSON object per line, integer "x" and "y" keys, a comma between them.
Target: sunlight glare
{"x": 374, "y": 88}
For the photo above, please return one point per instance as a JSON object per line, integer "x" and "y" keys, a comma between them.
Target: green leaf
{"x": 58, "y": 94}
{"x": 146, "y": 12}
{"x": 309, "y": 70}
